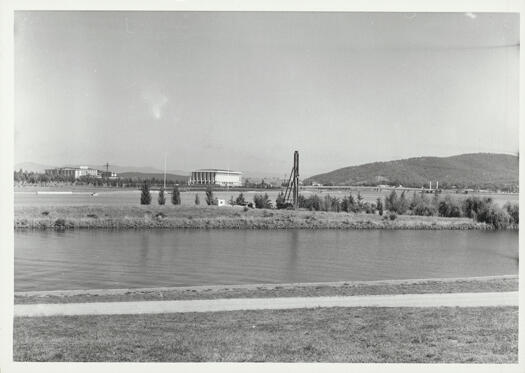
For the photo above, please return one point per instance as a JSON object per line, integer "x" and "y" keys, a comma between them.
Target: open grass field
{"x": 228, "y": 217}
{"x": 130, "y": 196}
{"x": 355, "y": 335}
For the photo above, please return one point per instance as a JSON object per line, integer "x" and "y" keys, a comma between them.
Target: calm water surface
{"x": 122, "y": 259}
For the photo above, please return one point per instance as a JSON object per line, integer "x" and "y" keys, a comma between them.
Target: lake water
{"x": 121, "y": 259}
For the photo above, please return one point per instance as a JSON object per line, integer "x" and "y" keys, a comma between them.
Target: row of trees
{"x": 34, "y": 178}
{"x": 145, "y": 195}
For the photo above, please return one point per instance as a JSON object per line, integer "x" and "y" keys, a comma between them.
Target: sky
{"x": 243, "y": 90}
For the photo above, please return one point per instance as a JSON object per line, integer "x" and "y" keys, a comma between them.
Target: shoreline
{"x": 115, "y": 291}
{"x": 339, "y": 288}
{"x": 213, "y": 217}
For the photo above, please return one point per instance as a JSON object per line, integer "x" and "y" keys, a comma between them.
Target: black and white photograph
{"x": 265, "y": 186}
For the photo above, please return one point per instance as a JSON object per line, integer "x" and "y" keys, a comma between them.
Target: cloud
{"x": 156, "y": 103}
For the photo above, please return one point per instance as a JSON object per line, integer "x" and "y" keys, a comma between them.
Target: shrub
{"x": 473, "y": 205}
{"x": 421, "y": 205}
{"x": 379, "y": 206}
{"x": 369, "y": 208}
{"x": 449, "y": 208}
{"x": 161, "y": 198}
{"x": 93, "y": 216}
{"x": 280, "y": 202}
{"x": 401, "y": 206}
{"x": 175, "y": 196}
{"x": 398, "y": 205}
{"x": 348, "y": 204}
{"x": 485, "y": 211}
{"x": 312, "y": 202}
{"x": 45, "y": 213}
{"x": 326, "y": 204}
{"x": 60, "y": 223}
{"x": 262, "y": 201}
{"x": 392, "y": 216}
{"x": 209, "y": 196}
{"x": 494, "y": 215}
{"x": 359, "y": 200}
{"x": 344, "y": 205}
{"x": 240, "y": 200}
{"x": 197, "y": 199}
{"x": 514, "y": 212}
{"x": 335, "y": 204}
{"x": 391, "y": 201}
{"x": 145, "y": 196}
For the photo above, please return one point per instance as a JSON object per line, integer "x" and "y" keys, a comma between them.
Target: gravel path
{"x": 214, "y": 305}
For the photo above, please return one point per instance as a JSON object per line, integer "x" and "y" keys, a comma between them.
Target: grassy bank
{"x": 466, "y": 285}
{"x": 366, "y": 335}
{"x": 142, "y": 217}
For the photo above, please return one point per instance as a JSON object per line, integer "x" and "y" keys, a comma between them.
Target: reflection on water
{"x": 105, "y": 259}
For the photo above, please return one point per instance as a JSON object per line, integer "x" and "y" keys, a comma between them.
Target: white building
{"x": 86, "y": 171}
{"x": 73, "y": 172}
{"x": 216, "y": 177}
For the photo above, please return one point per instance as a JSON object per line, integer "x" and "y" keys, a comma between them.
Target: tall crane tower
{"x": 291, "y": 194}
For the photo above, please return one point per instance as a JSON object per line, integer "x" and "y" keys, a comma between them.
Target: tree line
{"x": 35, "y": 178}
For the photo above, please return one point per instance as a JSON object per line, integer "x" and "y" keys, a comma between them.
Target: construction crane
{"x": 291, "y": 194}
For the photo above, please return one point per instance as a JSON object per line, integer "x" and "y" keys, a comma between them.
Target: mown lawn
{"x": 365, "y": 335}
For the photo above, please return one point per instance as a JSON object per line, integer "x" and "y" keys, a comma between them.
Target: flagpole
{"x": 165, "y": 155}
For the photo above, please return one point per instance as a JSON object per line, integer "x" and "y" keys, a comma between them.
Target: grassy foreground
{"x": 144, "y": 217}
{"x": 466, "y": 285}
{"x": 356, "y": 335}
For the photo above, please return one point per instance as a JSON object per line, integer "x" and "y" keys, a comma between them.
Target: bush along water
{"x": 482, "y": 210}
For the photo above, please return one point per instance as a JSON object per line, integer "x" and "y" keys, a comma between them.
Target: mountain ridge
{"x": 472, "y": 170}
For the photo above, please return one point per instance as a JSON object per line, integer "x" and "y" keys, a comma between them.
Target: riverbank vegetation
{"x": 482, "y": 210}
{"x": 354, "y": 335}
{"x": 226, "y": 217}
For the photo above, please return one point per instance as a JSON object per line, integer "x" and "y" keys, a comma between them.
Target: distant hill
{"x": 32, "y": 167}
{"x": 159, "y": 176}
{"x": 479, "y": 170}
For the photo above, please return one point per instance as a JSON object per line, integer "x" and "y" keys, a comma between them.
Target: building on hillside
{"x": 68, "y": 172}
{"x": 86, "y": 171}
{"x": 78, "y": 172}
{"x": 216, "y": 177}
